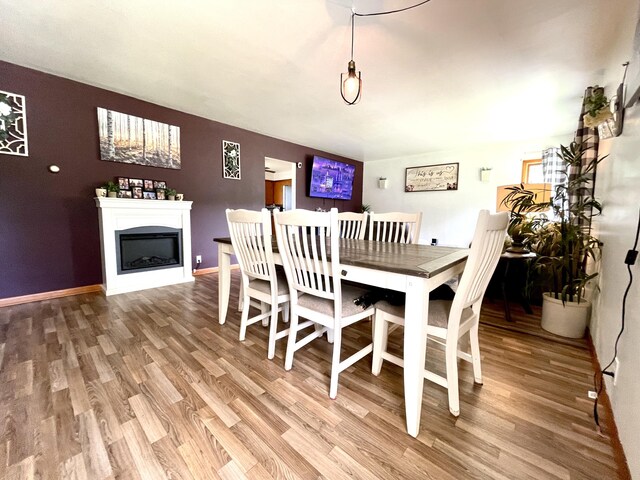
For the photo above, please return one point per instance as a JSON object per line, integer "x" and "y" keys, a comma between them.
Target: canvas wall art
{"x": 128, "y": 139}
{"x": 431, "y": 178}
{"x": 13, "y": 124}
{"x": 230, "y": 160}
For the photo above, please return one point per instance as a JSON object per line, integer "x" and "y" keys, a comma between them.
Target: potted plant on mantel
{"x": 112, "y": 189}
{"x": 171, "y": 193}
{"x": 563, "y": 243}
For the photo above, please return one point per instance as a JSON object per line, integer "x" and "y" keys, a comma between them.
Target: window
{"x": 532, "y": 171}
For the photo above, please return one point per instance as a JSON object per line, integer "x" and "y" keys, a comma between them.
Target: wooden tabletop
{"x": 408, "y": 259}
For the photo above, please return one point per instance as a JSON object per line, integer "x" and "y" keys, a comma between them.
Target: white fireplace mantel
{"x": 121, "y": 214}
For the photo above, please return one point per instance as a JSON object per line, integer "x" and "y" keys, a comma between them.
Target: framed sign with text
{"x": 432, "y": 178}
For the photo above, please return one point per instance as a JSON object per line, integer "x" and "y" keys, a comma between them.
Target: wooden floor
{"x": 148, "y": 385}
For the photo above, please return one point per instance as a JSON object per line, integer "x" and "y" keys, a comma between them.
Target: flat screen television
{"x": 331, "y": 179}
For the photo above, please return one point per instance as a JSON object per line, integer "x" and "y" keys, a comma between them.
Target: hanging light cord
{"x": 352, "y": 29}
{"x": 355, "y": 14}
{"x": 389, "y": 11}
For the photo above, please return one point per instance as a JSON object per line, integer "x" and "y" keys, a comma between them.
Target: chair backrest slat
{"x": 486, "y": 247}
{"x": 396, "y": 227}
{"x": 310, "y": 264}
{"x": 250, "y": 233}
{"x": 352, "y": 225}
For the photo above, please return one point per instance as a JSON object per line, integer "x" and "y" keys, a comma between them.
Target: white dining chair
{"x": 352, "y": 225}
{"x": 395, "y": 227}
{"x": 450, "y": 320}
{"x": 251, "y": 239}
{"x": 308, "y": 243}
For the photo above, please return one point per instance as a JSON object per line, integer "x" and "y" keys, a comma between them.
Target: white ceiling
{"x": 444, "y": 75}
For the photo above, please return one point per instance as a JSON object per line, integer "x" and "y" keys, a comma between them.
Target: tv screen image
{"x": 331, "y": 179}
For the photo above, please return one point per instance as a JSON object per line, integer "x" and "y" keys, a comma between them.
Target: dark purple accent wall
{"x": 49, "y": 234}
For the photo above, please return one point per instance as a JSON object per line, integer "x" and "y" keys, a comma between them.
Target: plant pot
{"x": 101, "y": 192}
{"x": 112, "y": 194}
{"x": 567, "y": 320}
{"x": 171, "y": 197}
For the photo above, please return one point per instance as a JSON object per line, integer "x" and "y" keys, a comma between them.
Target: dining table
{"x": 413, "y": 269}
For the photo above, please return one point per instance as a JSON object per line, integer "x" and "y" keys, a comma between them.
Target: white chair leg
{"x": 264, "y": 308}
{"x": 291, "y": 342}
{"x": 335, "y": 362}
{"x": 475, "y": 354}
{"x": 380, "y": 336}
{"x": 244, "y": 318}
{"x": 273, "y": 330}
{"x": 286, "y": 307}
{"x": 241, "y": 299}
{"x": 451, "y": 356}
{"x": 330, "y": 335}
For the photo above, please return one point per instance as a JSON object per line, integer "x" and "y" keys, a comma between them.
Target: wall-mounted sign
{"x": 431, "y": 178}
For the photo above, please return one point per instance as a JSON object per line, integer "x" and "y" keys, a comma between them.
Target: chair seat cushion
{"x": 265, "y": 287}
{"x": 325, "y": 306}
{"x": 438, "y": 311}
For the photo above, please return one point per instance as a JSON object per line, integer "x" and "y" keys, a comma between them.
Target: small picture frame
{"x": 159, "y": 184}
{"x": 136, "y": 192}
{"x": 149, "y": 195}
{"x": 124, "y": 194}
{"x": 123, "y": 183}
{"x": 148, "y": 186}
{"x": 160, "y": 194}
{"x": 135, "y": 182}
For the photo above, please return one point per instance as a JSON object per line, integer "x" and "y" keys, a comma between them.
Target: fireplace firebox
{"x": 144, "y": 249}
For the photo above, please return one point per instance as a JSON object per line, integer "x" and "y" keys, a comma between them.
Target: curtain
{"x": 553, "y": 167}
{"x": 590, "y": 140}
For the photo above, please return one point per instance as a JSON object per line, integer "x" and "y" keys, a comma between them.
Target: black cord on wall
{"x": 629, "y": 260}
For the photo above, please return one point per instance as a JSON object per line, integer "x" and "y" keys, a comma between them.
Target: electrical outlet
{"x": 616, "y": 369}
{"x": 592, "y": 395}
{"x": 198, "y": 258}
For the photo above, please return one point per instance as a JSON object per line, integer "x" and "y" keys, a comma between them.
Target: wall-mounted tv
{"x": 331, "y": 179}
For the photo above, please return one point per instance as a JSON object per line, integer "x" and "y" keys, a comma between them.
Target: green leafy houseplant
{"x": 597, "y": 106}
{"x": 112, "y": 187}
{"x": 170, "y": 192}
{"x": 563, "y": 242}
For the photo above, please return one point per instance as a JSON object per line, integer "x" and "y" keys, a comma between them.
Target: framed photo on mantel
{"x": 432, "y": 178}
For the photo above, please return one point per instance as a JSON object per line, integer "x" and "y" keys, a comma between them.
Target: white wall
{"x": 618, "y": 188}
{"x": 450, "y": 216}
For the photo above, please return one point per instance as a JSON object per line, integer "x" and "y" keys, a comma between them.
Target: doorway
{"x": 280, "y": 184}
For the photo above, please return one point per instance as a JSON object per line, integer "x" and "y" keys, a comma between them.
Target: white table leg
{"x": 415, "y": 346}
{"x": 224, "y": 280}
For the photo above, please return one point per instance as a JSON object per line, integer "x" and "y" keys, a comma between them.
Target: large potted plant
{"x": 560, "y": 234}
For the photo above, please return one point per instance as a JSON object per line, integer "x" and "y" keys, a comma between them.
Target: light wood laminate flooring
{"x": 148, "y": 385}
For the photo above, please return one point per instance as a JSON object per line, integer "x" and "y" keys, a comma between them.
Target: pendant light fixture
{"x": 350, "y": 82}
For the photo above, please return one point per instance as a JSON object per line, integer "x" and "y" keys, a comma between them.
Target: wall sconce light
{"x": 485, "y": 174}
{"x": 382, "y": 183}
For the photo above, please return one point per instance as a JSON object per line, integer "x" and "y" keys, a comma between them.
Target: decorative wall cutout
{"x": 230, "y": 160}
{"x": 13, "y": 124}
{"x": 128, "y": 139}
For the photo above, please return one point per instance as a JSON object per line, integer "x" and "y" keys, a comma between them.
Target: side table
{"x": 508, "y": 258}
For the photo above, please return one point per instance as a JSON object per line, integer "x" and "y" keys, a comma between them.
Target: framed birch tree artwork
{"x": 129, "y": 139}
{"x": 230, "y": 160}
